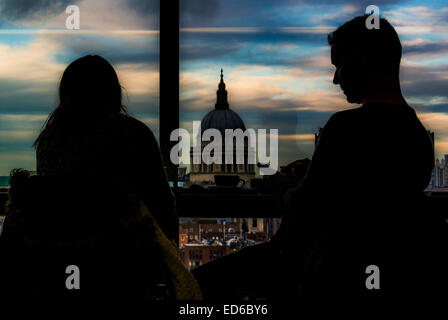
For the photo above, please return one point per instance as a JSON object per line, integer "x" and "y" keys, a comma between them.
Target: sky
{"x": 35, "y": 48}
{"x": 274, "y": 53}
{"x": 277, "y": 67}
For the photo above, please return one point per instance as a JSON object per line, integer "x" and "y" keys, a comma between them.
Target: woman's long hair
{"x": 89, "y": 89}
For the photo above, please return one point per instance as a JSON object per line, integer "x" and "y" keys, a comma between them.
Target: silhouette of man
{"x": 361, "y": 201}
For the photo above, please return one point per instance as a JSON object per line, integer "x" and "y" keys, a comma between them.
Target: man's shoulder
{"x": 344, "y": 116}
{"x": 341, "y": 115}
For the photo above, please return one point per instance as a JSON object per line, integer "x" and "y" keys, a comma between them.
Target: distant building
{"x": 191, "y": 229}
{"x": 256, "y": 225}
{"x": 271, "y": 226}
{"x": 204, "y": 240}
{"x": 222, "y": 118}
{"x": 194, "y": 255}
{"x": 208, "y": 229}
{"x": 439, "y": 176}
{"x": 257, "y": 236}
{"x": 440, "y": 173}
{"x": 183, "y": 236}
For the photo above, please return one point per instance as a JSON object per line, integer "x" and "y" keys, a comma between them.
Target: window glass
{"x": 278, "y": 73}
{"x": 36, "y": 47}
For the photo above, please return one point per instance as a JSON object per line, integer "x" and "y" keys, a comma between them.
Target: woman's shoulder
{"x": 130, "y": 125}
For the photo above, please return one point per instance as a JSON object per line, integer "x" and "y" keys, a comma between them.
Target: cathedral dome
{"x": 222, "y": 117}
{"x": 221, "y": 120}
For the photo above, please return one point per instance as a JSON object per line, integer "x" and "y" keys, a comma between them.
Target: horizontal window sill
{"x": 232, "y": 203}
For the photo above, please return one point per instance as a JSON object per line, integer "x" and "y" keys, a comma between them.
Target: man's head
{"x": 364, "y": 57}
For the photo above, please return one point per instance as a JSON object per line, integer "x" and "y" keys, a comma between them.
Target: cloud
{"x": 21, "y": 122}
{"x": 145, "y": 8}
{"x": 283, "y": 50}
{"x": 418, "y": 20}
{"x": 347, "y": 12}
{"x": 13, "y": 137}
{"x": 23, "y": 9}
{"x": 420, "y": 46}
{"x": 120, "y": 14}
{"x": 32, "y": 62}
{"x": 263, "y": 88}
{"x": 29, "y": 76}
{"x": 417, "y": 15}
{"x": 425, "y": 81}
{"x": 194, "y": 11}
{"x": 269, "y": 13}
{"x": 206, "y": 50}
{"x": 140, "y": 81}
{"x": 29, "y": 73}
{"x": 94, "y": 14}
{"x": 17, "y": 134}
{"x": 441, "y": 108}
{"x": 117, "y": 49}
{"x": 309, "y": 138}
{"x": 16, "y": 159}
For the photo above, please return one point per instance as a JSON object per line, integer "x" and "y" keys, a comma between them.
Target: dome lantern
{"x": 222, "y": 117}
{"x": 221, "y": 95}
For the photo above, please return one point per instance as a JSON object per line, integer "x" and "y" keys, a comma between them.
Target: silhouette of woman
{"x": 100, "y": 201}
{"x": 89, "y": 134}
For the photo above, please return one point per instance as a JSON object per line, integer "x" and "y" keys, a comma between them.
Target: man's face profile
{"x": 348, "y": 73}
